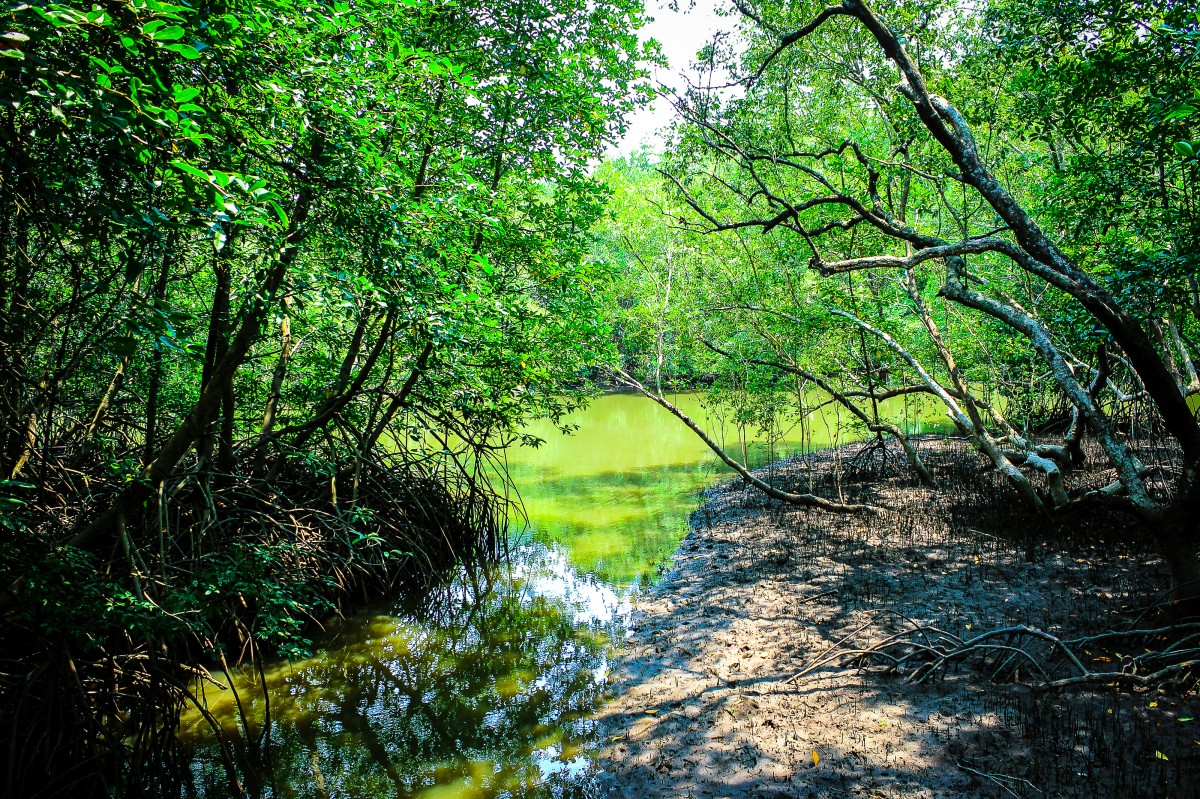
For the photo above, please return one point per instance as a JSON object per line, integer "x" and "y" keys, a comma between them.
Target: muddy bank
{"x": 704, "y": 704}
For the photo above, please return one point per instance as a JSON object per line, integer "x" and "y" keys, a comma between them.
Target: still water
{"x": 490, "y": 692}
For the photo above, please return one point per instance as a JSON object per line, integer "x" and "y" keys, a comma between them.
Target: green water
{"x": 615, "y": 495}
{"x": 490, "y": 693}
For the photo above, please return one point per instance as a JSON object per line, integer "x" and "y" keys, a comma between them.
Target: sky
{"x": 681, "y": 33}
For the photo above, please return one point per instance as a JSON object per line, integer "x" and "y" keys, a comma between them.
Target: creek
{"x": 488, "y": 689}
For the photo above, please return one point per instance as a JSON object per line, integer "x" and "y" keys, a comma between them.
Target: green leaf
{"x": 1185, "y": 149}
{"x": 169, "y": 34}
{"x": 1180, "y": 113}
{"x": 183, "y": 95}
{"x": 184, "y": 166}
{"x": 283, "y": 219}
{"x": 482, "y": 261}
{"x": 185, "y": 50}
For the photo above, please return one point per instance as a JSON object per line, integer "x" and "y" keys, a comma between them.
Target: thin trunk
{"x": 329, "y": 410}
{"x": 281, "y": 365}
{"x": 1190, "y": 381}
{"x": 102, "y": 526}
{"x": 13, "y": 379}
{"x": 114, "y": 385}
{"x": 1129, "y": 469}
{"x": 1194, "y": 291}
{"x": 1073, "y": 441}
{"x": 660, "y": 338}
{"x": 27, "y": 439}
{"x": 1168, "y": 351}
{"x": 225, "y": 459}
{"x": 970, "y": 425}
{"x": 352, "y": 351}
{"x": 400, "y": 401}
{"x": 877, "y": 426}
{"x": 217, "y": 343}
{"x": 160, "y": 291}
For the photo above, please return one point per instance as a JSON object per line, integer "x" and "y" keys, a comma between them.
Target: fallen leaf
{"x": 816, "y": 758}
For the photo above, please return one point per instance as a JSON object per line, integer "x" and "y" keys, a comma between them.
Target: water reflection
{"x": 490, "y": 692}
{"x": 490, "y": 699}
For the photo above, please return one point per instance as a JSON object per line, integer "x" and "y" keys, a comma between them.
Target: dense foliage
{"x": 277, "y": 277}
{"x": 993, "y": 207}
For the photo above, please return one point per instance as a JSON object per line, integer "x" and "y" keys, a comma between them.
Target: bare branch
{"x": 807, "y": 500}
{"x": 874, "y": 426}
{"x": 972, "y": 246}
{"x": 795, "y": 36}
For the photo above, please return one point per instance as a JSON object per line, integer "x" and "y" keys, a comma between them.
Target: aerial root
{"x": 875, "y": 454}
{"x": 1024, "y": 655}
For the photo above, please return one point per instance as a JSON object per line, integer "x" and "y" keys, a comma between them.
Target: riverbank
{"x": 706, "y": 697}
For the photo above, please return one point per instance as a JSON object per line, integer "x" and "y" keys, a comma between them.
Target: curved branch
{"x": 970, "y": 247}
{"x": 1124, "y": 461}
{"x": 787, "y": 41}
{"x": 914, "y": 458}
{"x": 806, "y": 500}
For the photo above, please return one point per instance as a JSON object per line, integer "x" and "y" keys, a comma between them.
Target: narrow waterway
{"x": 490, "y": 691}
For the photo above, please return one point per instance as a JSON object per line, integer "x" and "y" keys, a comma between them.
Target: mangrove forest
{"x": 574, "y": 399}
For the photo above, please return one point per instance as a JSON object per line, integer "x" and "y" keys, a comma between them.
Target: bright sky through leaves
{"x": 681, "y": 33}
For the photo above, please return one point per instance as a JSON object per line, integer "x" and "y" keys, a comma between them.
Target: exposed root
{"x": 224, "y": 570}
{"x": 1023, "y": 654}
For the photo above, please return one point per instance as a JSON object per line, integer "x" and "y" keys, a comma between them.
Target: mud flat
{"x": 706, "y": 702}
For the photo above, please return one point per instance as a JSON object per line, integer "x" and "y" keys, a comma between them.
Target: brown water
{"x": 490, "y": 693}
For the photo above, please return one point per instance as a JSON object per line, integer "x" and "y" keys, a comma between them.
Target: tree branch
{"x": 806, "y": 500}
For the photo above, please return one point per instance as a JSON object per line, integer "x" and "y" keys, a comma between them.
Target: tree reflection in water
{"x": 485, "y": 692}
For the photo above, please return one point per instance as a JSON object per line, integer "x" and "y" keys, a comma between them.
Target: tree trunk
{"x": 217, "y": 343}
{"x": 93, "y": 533}
{"x": 160, "y": 292}
{"x": 285, "y": 354}
{"x": 400, "y": 401}
{"x": 1177, "y": 534}
{"x": 13, "y": 378}
{"x": 106, "y": 399}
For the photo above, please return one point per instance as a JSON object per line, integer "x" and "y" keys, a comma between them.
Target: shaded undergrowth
{"x": 103, "y": 651}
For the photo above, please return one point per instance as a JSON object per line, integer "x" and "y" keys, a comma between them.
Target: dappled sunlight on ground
{"x": 704, "y": 703}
